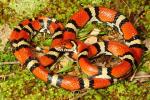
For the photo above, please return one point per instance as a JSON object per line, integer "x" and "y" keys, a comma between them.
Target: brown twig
{"x": 142, "y": 76}
{"x": 6, "y": 76}
{"x": 79, "y": 96}
{"x": 132, "y": 77}
{"x": 9, "y": 63}
{"x": 138, "y": 76}
{"x": 138, "y": 17}
{"x": 127, "y": 6}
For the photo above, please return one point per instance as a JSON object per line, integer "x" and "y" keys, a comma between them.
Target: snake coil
{"x": 130, "y": 53}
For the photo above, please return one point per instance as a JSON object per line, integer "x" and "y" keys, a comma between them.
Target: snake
{"x": 64, "y": 40}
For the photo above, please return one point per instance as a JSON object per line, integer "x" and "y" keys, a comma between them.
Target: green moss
{"x": 27, "y": 7}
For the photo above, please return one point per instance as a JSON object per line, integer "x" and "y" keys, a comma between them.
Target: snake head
{"x": 67, "y": 46}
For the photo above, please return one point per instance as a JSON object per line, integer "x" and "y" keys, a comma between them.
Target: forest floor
{"x": 16, "y": 82}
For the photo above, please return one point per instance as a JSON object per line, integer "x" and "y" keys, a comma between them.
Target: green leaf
{"x": 67, "y": 67}
{"x": 47, "y": 42}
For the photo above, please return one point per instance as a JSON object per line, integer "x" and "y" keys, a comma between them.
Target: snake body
{"x": 130, "y": 53}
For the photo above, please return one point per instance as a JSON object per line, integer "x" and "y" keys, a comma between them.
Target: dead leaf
{"x": 4, "y": 35}
{"x": 147, "y": 43}
{"x": 91, "y": 40}
{"x": 95, "y": 32}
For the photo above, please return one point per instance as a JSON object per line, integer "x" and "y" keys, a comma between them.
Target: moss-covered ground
{"x": 17, "y": 83}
